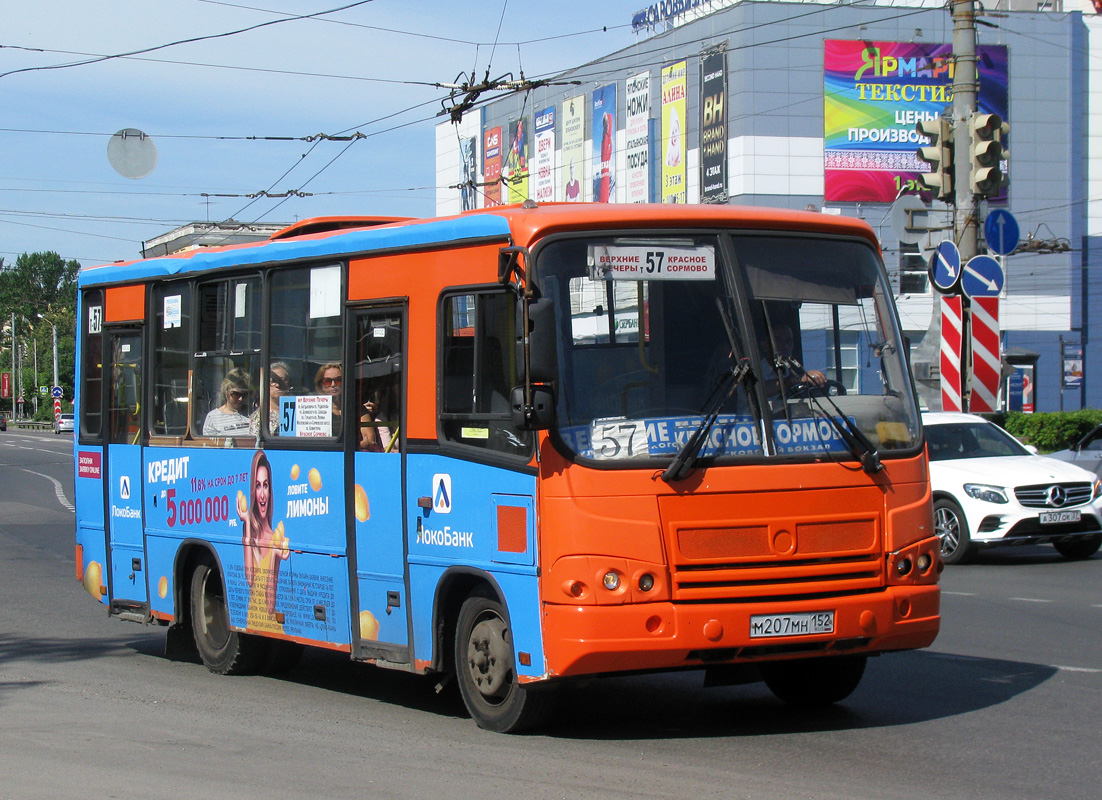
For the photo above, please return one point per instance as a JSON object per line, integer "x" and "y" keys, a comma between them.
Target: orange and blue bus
{"x": 513, "y": 448}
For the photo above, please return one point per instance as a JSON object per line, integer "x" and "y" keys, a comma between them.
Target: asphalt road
{"x": 1006, "y": 703}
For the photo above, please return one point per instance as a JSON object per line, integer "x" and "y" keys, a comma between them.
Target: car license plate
{"x": 1055, "y": 517}
{"x": 805, "y": 624}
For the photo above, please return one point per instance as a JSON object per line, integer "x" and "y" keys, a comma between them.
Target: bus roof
{"x": 339, "y": 237}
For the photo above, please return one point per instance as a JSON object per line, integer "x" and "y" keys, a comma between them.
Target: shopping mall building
{"x": 807, "y": 105}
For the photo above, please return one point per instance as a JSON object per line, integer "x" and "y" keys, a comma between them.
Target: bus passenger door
{"x": 123, "y": 471}
{"x": 378, "y": 358}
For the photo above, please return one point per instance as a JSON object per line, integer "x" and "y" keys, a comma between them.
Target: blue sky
{"x": 360, "y": 69}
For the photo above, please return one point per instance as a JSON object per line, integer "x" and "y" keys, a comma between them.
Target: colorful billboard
{"x": 515, "y": 167}
{"x": 674, "y": 183}
{"x": 467, "y": 150}
{"x": 637, "y": 129}
{"x": 873, "y": 96}
{"x": 545, "y": 156}
{"x": 573, "y": 148}
{"x": 491, "y": 165}
{"x": 604, "y": 144}
{"x": 713, "y": 127}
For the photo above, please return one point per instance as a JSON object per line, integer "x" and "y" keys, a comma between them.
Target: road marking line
{"x": 58, "y": 489}
{"x": 959, "y": 594}
{"x": 1029, "y": 600}
{"x": 1077, "y": 669}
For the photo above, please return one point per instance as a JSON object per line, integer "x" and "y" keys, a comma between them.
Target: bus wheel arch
{"x": 483, "y": 659}
{"x": 221, "y": 649}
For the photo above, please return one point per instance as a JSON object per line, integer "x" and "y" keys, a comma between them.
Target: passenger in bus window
{"x": 279, "y": 382}
{"x": 328, "y": 381}
{"x": 378, "y": 423}
{"x": 229, "y": 419}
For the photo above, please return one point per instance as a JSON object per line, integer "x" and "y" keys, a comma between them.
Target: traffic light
{"x": 985, "y": 151}
{"x": 939, "y": 155}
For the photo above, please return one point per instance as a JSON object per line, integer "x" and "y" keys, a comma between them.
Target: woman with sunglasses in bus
{"x": 328, "y": 381}
{"x": 279, "y": 382}
{"x": 229, "y": 419}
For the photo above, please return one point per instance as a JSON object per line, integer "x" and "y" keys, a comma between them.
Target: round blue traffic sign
{"x": 982, "y": 276}
{"x": 945, "y": 267}
{"x": 57, "y": 392}
{"x": 1002, "y": 232}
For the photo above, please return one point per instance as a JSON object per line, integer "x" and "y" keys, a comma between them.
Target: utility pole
{"x": 966, "y": 216}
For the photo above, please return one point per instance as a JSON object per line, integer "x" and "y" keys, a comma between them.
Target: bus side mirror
{"x": 542, "y": 355}
{"x": 537, "y": 416}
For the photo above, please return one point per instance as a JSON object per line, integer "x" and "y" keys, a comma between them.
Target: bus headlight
{"x": 612, "y": 580}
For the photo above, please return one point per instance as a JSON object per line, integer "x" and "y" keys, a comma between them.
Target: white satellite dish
{"x": 132, "y": 153}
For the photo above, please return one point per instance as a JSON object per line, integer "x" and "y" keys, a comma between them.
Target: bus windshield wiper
{"x": 740, "y": 369}
{"x": 686, "y": 457}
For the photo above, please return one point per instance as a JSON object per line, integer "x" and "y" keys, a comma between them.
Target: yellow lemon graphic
{"x": 162, "y": 587}
{"x": 93, "y": 579}
{"x": 242, "y": 503}
{"x": 294, "y": 472}
{"x": 363, "y": 510}
{"x": 369, "y": 626}
{"x": 315, "y": 480}
{"x": 280, "y": 540}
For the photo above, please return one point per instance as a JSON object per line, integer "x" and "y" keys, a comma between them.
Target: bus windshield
{"x": 759, "y": 345}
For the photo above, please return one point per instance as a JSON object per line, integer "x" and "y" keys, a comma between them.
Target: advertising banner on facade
{"x": 674, "y": 184}
{"x": 491, "y": 166}
{"x": 467, "y": 150}
{"x": 604, "y": 144}
{"x": 638, "y": 138}
{"x": 515, "y": 167}
{"x": 1073, "y": 365}
{"x": 874, "y": 94}
{"x": 545, "y": 156}
{"x": 573, "y": 148}
{"x": 713, "y": 127}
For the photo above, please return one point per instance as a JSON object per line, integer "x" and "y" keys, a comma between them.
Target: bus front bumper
{"x": 592, "y": 639}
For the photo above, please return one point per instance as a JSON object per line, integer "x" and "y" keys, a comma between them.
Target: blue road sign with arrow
{"x": 982, "y": 277}
{"x": 1002, "y": 232}
{"x": 945, "y": 266}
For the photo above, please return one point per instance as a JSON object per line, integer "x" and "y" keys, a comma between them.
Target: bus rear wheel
{"x": 814, "y": 682}
{"x": 485, "y": 673}
{"x": 223, "y": 650}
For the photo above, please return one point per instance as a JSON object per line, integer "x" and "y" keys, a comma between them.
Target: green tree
{"x": 38, "y": 291}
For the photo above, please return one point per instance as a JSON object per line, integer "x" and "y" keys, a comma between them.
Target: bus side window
{"x": 227, "y": 361}
{"x": 379, "y": 380}
{"x": 304, "y": 337}
{"x": 479, "y": 372}
{"x": 91, "y": 377}
{"x": 171, "y": 343}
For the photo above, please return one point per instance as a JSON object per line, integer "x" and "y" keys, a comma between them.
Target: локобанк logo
{"x": 442, "y": 493}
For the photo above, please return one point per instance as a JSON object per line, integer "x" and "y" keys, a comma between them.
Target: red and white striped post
{"x": 986, "y": 355}
{"x": 952, "y": 338}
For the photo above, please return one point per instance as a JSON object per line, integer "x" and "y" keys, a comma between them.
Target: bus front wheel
{"x": 222, "y": 650}
{"x": 814, "y": 681}
{"x": 484, "y": 670}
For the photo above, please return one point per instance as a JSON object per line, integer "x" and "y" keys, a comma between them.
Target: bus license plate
{"x": 806, "y": 624}
{"x": 1055, "y": 517}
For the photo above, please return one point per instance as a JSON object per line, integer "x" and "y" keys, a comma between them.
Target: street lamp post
{"x": 55, "y": 345}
